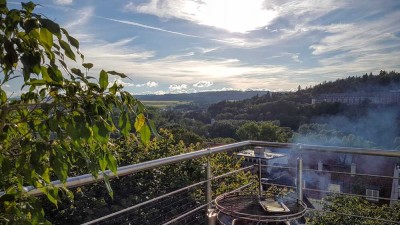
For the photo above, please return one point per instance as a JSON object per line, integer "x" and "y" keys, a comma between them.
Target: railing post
{"x": 208, "y": 188}
{"x": 300, "y": 178}
{"x": 259, "y": 178}
{"x": 211, "y": 214}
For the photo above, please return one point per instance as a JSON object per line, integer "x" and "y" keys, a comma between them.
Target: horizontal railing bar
{"x": 185, "y": 214}
{"x": 283, "y": 167}
{"x": 349, "y": 194}
{"x": 336, "y": 172}
{"x": 335, "y": 149}
{"x": 356, "y": 174}
{"x": 164, "y": 196}
{"x": 332, "y": 192}
{"x": 198, "y": 208}
{"x": 232, "y": 172}
{"x": 126, "y": 170}
{"x": 279, "y": 185}
{"x": 358, "y": 216}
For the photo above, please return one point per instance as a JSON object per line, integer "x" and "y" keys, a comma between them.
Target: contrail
{"x": 163, "y": 30}
{"x": 150, "y": 27}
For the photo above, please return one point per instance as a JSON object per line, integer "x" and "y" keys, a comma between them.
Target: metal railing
{"x": 298, "y": 148}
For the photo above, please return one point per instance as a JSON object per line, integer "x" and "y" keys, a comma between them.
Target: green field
{"x": 164, "y": 104}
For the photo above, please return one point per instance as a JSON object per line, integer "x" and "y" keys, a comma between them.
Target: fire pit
{"x": 247, "y": 208}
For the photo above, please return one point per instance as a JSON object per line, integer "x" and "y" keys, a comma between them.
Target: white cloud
{"x": 80, "y": 18}
{"x": 119, "y": 50}
{"x": 361, "y": 37}
{"x": 293, "y": 56}
{"x": 119, "y": 81}
{"x": 152, "y": 84}
{"x": 203, "y": 84}
{"x": 235, "y": 16}
{"x": 63, "y": 2}
{"x": 178, "y": 88}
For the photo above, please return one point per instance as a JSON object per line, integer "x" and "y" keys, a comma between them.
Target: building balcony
{"x": 289, "y": 183}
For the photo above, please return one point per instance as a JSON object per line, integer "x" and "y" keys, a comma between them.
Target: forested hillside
{"x": 378, "y": 125}
{"x": 203, "y": 97}
{"x": 367, "y": 83}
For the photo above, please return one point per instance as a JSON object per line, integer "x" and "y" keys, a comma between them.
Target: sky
{"x": 184, "y": 46}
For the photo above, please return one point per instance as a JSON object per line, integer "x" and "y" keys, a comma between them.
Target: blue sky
{"x": 179, "y": 46}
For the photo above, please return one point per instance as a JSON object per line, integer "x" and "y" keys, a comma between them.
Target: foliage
{"x": 342, "y": 206}
{"x": 323, "y": 134}
{"x": 92, "y": 201}
{"x": 63, "y": 120}
{"x": 366, "y": 83}
{"x": 223, "y": 163}
{"x": 264, "y": 131}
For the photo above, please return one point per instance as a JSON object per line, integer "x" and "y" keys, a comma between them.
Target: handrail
{"x": 134, "y": 168}
{"x": 130, "y": 169}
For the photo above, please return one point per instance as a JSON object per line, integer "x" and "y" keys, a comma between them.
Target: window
{"x": 372, "y": 195}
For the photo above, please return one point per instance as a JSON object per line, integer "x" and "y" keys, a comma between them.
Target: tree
{"x": 263, "y": 131}
{"x": 340, "y": 207}
{"x": 63, "y": 120}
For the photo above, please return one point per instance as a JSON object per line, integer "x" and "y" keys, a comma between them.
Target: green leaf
{"x": 145, "y": 134}
{"x": 100, "y": 132}
{"x": 87, "y": 65}
{"x": 103, "y": 163}
{"x": 46, "y": 38}
{"x": 29, "y": 7}
{"x": 103, "y": 81}
{"x": 77, "y": 72}
{"x": 112, "y": 163}
{"x": 60, "y": 168}
{"x": 46, "y": 175}
{"x": 113, "y": 89}
{"x": 52, "y": 195}
{"x": 139, "y": 122}
{"x": 67, "y": 49}
{"x": 73, "y": 41}
{"x": 3, "y": 96}
{"x": 153, "y": 128}
{"x": 124, "y": 123}
{"x": 45, "y": 75}
{"x": 53, "y": 27}
{"x": 117, "y": 73}
{"x": 108, "y": 185}
{"x": 30, "y": 24}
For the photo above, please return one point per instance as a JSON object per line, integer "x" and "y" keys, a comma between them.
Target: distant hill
{"x": 204, "y": 97}
{"x": 384, "y": 81}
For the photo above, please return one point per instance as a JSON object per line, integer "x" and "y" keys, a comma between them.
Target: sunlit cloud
{"x": 239, "y": 16}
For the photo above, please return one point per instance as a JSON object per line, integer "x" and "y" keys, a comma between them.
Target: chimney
{"x": 353, "y": 169}
{"x": 320, "y": 166}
